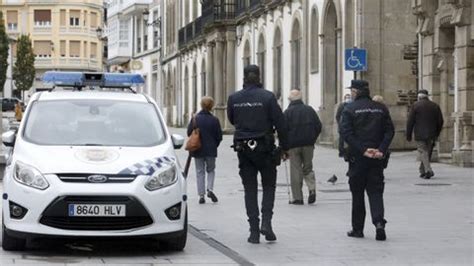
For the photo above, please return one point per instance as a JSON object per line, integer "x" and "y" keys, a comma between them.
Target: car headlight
{"x": 162, "y": 178}
{"x": 29, "y": 176}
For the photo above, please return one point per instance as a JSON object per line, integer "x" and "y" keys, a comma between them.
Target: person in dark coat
{"x": 367, "y": 128}
{"x": 347, "y": 100}
{"x": 426, "y": 120}
{"x": 205, "y": 157}
{"x": 304, "y": 128}
{"x": 255, "y": 113}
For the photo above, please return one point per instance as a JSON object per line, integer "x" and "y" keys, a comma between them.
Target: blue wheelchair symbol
{"x": 356, "y": 59}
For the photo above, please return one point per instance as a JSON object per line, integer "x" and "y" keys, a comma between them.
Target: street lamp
{"x": 155, "y": 23}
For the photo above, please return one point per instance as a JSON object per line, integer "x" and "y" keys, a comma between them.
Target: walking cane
{"x": 287, "y": 182}
{"x": 187, "y": 165}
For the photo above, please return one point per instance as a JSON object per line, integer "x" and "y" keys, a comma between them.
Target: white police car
{"x": 93, "y": 163}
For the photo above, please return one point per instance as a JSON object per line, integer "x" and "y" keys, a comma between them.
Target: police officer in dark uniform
{"x": 255, "y": 114}
{"x": 368, "y": 129}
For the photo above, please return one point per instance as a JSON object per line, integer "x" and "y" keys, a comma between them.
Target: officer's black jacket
{"x": 366, "y": 124}
{"x": 255, "y": 112}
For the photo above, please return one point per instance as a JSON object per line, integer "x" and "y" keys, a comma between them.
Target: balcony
{"x": 218, "y": 12}
{"x": 190, "y": 32}
{"x": 255, "y": 6}
{"x": 72, "y": 63}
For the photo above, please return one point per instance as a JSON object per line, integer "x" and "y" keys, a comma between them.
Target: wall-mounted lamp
{"x": 155, "y": 23}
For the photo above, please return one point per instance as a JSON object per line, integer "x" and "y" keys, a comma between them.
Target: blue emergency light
{"x": 104, "y": 80}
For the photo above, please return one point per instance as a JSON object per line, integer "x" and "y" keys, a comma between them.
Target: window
{"x": 246, "y": 57}
{"x": 74, "y": 18}
{"x": 75, "y": 49}
{"x": 84, "y": 48}
{"x": 155, "y": 30}
{"x": 93, "y": 50}
{"x": 42, "y": 18}
{"x": 277, "y": 65}
{"x": 42, "y": 48}
{"x": 139, "y": 37}
{"x": 94, "y": 20}
{"x": 296, "y": 56}
{"x": 89, "y": 122}
{"x": 314, "y": 41}
{"x": 62, "y": 17}
{"x": 12, "y": 20}
{"x": 62, "y": 48}
{"x": 145, "y": 38}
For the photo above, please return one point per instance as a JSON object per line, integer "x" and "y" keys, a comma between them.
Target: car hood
{"x": 103, "y": 160}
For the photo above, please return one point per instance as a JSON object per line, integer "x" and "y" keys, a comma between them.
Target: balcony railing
{"x": 190, "y": 32}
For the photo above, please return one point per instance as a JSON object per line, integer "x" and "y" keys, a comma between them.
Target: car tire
{"x": 178, "y": 243}
{"x": 10, "y": 243}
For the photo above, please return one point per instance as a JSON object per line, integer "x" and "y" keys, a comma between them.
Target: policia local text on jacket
{"x": 255, "y": 114}
{"x": 367, "y": 128}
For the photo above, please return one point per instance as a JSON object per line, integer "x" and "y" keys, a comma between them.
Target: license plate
{"x": 98, "y": 210}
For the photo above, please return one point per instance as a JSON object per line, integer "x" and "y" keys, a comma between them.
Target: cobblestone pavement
{"x": 429, "y": 222}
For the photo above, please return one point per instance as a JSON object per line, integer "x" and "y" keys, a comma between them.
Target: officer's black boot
{"x": 267, "y": 231}
{"x": 254, "y": 237}
{"x": 380, "y": 232}
{"x": 355, "y": 233}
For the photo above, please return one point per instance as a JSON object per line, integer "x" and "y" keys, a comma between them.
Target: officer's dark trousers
{"x": 366, "y": 175}
{"x": 250, "y": 163}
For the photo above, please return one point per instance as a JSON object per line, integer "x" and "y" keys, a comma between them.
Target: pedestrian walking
{"x": 347, "y": 100}
{"x": 304, "y": 128}
{"x": 18, "y": 112}
{"x": 367, "y": 128}
{"x": 255, "y": 114}
{"x": 426, "y": 120}
{"x": 205, "y": 157}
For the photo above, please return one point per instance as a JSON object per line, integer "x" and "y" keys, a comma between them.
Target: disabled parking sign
{"x": 355, "y": 59}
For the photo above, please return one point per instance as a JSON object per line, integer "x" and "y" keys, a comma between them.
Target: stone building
{"x": 133, "y": 34}
{"x": 446, "y": 69}
{"x": 63, "y": 33}
{"x": 298, "y": 44}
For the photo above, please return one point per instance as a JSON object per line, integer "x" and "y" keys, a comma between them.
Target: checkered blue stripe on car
{"x": 147, "y": 167}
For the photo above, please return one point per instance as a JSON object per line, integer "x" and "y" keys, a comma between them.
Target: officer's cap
{"x": 359, "y": 84}
{"x": 251, "y": 69}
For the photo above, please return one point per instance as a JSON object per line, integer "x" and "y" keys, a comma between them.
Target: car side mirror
{"x": 178, "y": 141}
{"x": 8, "y": 138}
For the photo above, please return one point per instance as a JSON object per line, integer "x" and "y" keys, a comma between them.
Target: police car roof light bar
{"x": 78, "y": 80}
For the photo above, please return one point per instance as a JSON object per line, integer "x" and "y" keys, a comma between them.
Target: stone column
{"x": 218, "y": 81}
{"x": 230, "y": 73}
{"x": 465, "y": 84}
{"x": 210, "y": 69}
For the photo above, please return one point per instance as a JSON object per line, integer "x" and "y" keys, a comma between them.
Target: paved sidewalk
{"x": 429, "y": 221}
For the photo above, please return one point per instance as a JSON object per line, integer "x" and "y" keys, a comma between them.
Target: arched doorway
{"x": 277, "y": 66}
{"x": 296, "y": 38}
{"x": 261, "y": 58}
{"x": 195, "y": 97}
{"x": 314, "y": 40}
{"x": 203, "y": 78}
{"x": 186, "y": 95}
{"x": 330, "y": 72}
{"x": 246, "y": 57}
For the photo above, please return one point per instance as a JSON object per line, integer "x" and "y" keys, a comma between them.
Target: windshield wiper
{"x": 92, "y": 144}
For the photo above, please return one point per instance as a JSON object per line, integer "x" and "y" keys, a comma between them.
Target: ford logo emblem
{"x": 97, "y": 178}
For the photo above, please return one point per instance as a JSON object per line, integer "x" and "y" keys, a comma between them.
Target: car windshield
{"x": 94, "y": 123}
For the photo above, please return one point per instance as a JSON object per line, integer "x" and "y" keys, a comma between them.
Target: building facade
{"x": 63, "y": 33}
{"x": 134, "y": 41}
{"x": 446, "y": 69}
{"x": 297, "y": 44}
